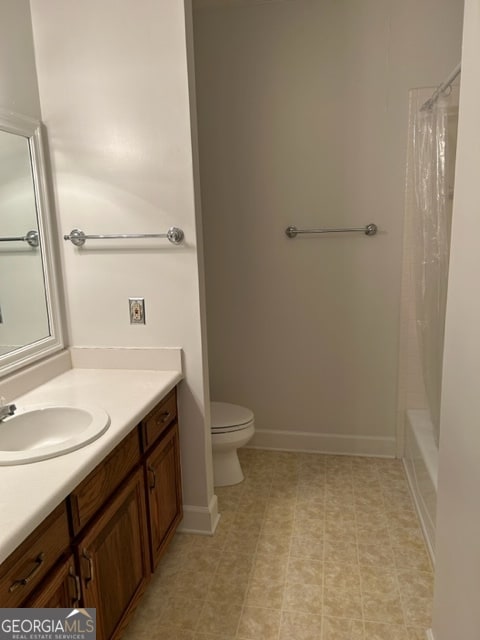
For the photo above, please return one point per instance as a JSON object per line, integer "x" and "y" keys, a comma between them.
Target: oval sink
{"x": 45, "y": 431}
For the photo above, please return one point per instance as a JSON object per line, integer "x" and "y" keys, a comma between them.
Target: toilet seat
{"x": 228, "y": 418}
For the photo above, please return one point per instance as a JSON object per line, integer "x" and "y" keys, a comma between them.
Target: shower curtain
{"x": 433, "y": 141}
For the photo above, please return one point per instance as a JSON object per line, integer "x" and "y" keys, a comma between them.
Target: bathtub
{"x": 421, "y": 465}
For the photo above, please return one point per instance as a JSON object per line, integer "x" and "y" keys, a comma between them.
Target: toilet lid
{"x": 227, "y": 416}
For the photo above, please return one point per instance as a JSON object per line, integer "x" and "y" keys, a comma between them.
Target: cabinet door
{"x": 113, "y": 558}
{"x": 61, "y": 589}
{"x": 164, "y": 492}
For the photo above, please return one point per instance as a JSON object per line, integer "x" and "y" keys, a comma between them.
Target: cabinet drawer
{"x": 97, "y": 487}
{"x": 29, "y": 563}
{"x": 61, "y": 589}
{"x": 159, "y": 419}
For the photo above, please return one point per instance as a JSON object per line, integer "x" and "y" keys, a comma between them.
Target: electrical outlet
{"x": 137, "y": 310}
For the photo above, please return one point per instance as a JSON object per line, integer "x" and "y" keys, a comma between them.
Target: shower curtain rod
{"x": 441, "y": 88}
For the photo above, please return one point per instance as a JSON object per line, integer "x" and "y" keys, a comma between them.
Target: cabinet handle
{"x": 88, "y": 558}
{"x": 163, "y": 417}
{"x": 76, "y": 582}
{"x": 151, "y": 470}
{"x": 23, "y": 581}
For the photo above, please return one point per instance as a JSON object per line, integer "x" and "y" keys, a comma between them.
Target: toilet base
{"x": 226, "y": 468}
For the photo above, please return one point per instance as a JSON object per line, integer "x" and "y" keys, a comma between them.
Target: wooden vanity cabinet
{"x": 113, "y": 558}
{"x": 98, "y": 548}
{"x": 164, "y": 492}
{"x": 160, "y": 446}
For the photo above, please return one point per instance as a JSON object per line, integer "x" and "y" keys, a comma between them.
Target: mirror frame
{"x": 33, "y": 131}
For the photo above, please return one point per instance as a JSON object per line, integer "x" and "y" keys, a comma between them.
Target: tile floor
{"x": 309, "y": 547}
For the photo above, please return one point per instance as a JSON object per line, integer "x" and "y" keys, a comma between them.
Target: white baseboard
{"x": 202, "y": 520}
{"x": 323, "y": 443}
{"x": 429, "y": 634}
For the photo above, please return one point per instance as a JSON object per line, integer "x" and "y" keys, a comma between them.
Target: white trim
{"x": 426, "y": 524}
{"x": 429, "y": 634}
{"x": 225, "y": 4}
{"x": 35, "y": 134}
{"x": 323, "y": 443}
{"x": 202, "y": 520}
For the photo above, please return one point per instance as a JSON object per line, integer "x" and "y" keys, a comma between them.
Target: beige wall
{"x": 18, "y": 78}
{"x": 457, "y": 585}
{"x": 24, "y": 317}
{"x": 303, "y": 114}
{"x": 114, "y": 96}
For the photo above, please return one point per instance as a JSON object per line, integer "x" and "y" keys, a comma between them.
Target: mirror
{"x": 29, "y": 316}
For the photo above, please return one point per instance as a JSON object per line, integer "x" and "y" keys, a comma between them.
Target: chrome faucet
{"x": 7, "y": 410}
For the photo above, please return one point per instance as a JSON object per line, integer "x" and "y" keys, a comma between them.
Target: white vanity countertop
{"x": 29, "y": 492}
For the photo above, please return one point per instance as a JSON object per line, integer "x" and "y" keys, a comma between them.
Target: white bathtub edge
{"x": 418, "y": 509}
{"x": 421, "y": 466}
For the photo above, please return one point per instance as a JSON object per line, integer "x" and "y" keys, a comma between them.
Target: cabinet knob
{"x": 163, "y": 417}
{"x": 23, "y": 581}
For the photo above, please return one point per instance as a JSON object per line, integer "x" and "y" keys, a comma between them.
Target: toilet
{"x": 232, "y": 427}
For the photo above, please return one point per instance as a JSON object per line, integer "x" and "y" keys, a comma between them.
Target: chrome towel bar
{"x": 78, "y": 237}
{"x": 368, "y": 230}
{"x": 31, "y": 237}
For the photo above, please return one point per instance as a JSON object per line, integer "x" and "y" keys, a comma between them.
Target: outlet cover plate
{"x": 137, "y": 310}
